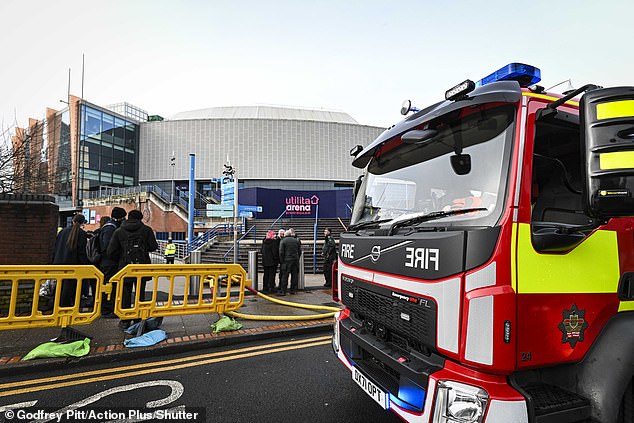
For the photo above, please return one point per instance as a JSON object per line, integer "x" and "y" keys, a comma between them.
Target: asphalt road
{"x": 281, "y": 380}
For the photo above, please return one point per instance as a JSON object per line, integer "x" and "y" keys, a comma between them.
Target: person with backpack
{"x": 132, "y": 244}
{"x": 70, "y": 248}
{"x": 98, "y": 255}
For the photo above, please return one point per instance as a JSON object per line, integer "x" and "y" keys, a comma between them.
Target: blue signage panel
{"x": 256, "y": 209}
{"x": 219, "y": 213}
{"x": 217, "y": 207}
{"x": 299, "y": 204}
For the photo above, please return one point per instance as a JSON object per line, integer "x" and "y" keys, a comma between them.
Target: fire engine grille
{"x": 414, "y": 322}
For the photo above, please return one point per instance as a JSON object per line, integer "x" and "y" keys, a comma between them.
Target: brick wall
{"x": 28, "y": 224}
{"x": 153, "y": 216}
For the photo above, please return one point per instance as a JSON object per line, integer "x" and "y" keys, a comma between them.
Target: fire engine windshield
{"x": 461, "y": 164}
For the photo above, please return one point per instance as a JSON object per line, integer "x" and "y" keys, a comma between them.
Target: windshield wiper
{"x": 431, "y": 216}
{"x": 369, "y": 224}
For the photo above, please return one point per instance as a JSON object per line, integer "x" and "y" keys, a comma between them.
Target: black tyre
{"x": 626, "y": 410}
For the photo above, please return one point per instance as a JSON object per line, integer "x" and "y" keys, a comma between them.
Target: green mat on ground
{"x": 52, "y": 349}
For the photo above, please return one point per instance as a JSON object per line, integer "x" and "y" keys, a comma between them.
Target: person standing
{"x": 132, "y": 244}
{"x": 170, "y": 251}
{"x": 278, "y": 239}
{"x": 290, "y": 253}
{"x": 270, "y": 258}
{"x": 103, "y": 220}
{"x": 70, "y": 248}
{"x": 329, "y": 253}
{"x": 108, "y": 265}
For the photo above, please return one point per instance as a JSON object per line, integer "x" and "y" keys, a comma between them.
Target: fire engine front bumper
{"x": 424, "y": 387}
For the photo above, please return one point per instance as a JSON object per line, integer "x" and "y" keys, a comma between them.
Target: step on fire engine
{"x": 488, "y": 271}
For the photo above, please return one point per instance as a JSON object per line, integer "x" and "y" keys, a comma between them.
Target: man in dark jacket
{"x": 329, "y": 252}
{"x": 290, "y": 253}
{"x": 132, "y": 244}
{"x": 270, "y": 258}
{"x": 278, "y": 239}
{"x": 108, "y": 265}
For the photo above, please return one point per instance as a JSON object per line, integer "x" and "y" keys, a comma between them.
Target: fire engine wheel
{"x": 626, "y": 410}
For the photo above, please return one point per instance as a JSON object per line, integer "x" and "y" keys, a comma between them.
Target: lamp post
{"x": 173, "y": 165}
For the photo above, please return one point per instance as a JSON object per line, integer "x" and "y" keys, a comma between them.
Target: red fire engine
{"x": 488, "y": 271}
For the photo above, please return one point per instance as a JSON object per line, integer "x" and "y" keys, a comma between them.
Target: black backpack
{"x": 93, "y": 246}
{"x": 135, "y": 250}
{"x": 93, "y": 250}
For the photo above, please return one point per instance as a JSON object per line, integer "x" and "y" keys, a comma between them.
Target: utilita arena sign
{"x": 301, "y": 205}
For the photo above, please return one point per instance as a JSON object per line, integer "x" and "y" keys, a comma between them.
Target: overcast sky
{"x": 360, "y": 57}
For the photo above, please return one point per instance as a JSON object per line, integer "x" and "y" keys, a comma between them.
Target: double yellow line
{"x": 35, "y": 385}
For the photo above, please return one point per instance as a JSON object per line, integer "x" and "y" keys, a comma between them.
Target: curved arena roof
{"x": 266, "y": 112}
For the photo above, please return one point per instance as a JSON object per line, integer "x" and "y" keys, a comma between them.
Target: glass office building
{"x": 108, "y": 150}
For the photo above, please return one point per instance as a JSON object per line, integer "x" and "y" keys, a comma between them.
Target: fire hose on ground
{"x": 331, "y": 310}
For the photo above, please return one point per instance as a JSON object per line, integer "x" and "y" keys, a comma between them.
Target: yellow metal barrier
{"x": 141, "y": 283}
{"x": 21, "y": 305}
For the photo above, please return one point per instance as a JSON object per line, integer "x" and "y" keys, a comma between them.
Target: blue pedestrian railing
{"x": 278, "y": 219}
{"x": 205, "y": 237}
{"x": 224, "y": 258}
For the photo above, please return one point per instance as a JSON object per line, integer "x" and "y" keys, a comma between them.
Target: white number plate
{"x": 377, "y": 394}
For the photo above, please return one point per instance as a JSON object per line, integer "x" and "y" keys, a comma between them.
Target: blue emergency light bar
{"x": 526, "y": 75}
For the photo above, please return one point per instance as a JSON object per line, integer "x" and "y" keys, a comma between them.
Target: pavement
{"x": 184, "y": 332}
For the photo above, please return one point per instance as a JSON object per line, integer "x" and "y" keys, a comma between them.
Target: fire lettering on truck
{"x": 347, "y": 251}
{"x": 422, "y": 258}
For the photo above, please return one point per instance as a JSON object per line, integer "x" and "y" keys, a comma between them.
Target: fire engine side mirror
{"x": 354, "y": 151}
{"x": 607, "y": 137}
{"x": 549, "y": 237}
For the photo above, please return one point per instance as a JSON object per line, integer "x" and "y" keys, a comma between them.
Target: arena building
{"x": 283, "y": 157}
{"x": 269, "y": 147}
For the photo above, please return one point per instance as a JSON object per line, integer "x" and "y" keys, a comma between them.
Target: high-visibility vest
{"x": 170, "y": 250}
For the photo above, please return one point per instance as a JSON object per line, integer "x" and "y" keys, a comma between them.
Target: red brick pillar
{"x": 28, "y": 227}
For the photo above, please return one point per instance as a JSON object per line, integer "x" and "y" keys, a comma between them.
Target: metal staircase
{"x": 221, "y": 251}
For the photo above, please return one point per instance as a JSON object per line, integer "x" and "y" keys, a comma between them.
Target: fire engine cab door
{"x": 607, "y": 136}
{"x": 557, "y": 289}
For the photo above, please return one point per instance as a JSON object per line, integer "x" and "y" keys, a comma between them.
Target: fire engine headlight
{"x": 335, "y": 335}
{"x": 459, "y": 403}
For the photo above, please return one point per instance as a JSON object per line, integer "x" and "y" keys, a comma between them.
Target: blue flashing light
{"x": 526, "y": 75}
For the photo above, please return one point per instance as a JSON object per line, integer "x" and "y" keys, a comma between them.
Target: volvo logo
{"x": 376, "y": 253}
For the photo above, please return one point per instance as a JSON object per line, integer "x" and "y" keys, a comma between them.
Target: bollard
{"x": 301, "y": 282}
{"x": 253, "y": 269}
{"x": 194, "y": 282}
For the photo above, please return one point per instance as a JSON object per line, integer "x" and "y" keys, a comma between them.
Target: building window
{"x": 108, "y": 150}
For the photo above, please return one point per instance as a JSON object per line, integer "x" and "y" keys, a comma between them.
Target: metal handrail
{"x": 224, "y": 258}
{"x": 215, "y": 196}
{"x": 105, "y": 191}
{"x": 203, "y": 198}
{"x": 278, "y": 218}
{"x": 165, "y": 196}
{"x": 181, "y": 249}
{"x": 205, "y": 237}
